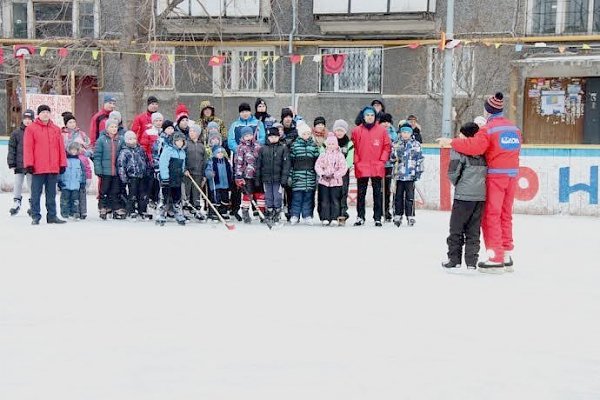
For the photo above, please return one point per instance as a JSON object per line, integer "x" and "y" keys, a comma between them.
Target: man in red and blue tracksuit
{"x": 499, "y": 140}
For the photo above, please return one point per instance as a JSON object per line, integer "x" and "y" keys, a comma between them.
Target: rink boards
{"x": 552, "y": 180}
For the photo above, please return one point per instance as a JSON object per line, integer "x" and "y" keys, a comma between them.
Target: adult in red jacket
{"x": 143, "y": 121}
{"x": 98, "y": 121}
{"x": 499, "y": 140}
{"x": 372, "y": 148}
{"x": 44, "y": 157}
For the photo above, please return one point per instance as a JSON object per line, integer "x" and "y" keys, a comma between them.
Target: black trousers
{"x": 110, "y": 192}
{"x": 47, "y": 182}
{"x": 345, "y": 188}
{"x": 387, "y": 190}
{"x": 330, "y": 199}
{"x": 137, "y": 195}
{"x": 362, "y": 184}
{"x": 236, "y": 199}
{"x": 405, "y": 198}
{"x": 465, "y": 227}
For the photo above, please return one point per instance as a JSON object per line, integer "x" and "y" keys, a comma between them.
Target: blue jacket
{"x": 235, "y": 131}
{"x": 171, "y": 165}
{"x": 218, "y": 174}
{"x": 132, "y": 163}
{"x": 158, "y": 147}
{"x": 74, "y": 175}
{"x": 408, "y": 160}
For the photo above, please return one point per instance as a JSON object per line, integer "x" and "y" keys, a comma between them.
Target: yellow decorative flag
{"x": 317, "y": 58}
{"x": 497, "y": 45}
{"x": 585, "y": 47}
{"x": 148, "y": 56}
{"x": 369, "y": 52}
{"x": 466, "y": 42}
{"x": 561, "y": 49}
{"x": 264, "y": 58}
{"x": 275, "y": 58}
{"x": 43, "y": 51}
{"x": 95, "y": 54}
{"x": 248, "y": 58}
{"x": 171, "y": 58}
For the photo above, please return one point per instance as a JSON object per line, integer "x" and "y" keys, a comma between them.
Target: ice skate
{"x": 308, "y": 221}
{"x": 341, "y": 221}
{"x": 451, "y": 264}
{"x": 508, "y": 262}
{"x": 294, "y": 220}
{"x": 411, "y": 221}
{"x": 103, "y": 213}
{"x": 398, "y": 220}
{"x": 246, "y": 216}
{"x": 491, "y": 267}
{"x": 16, "y": 207}
{"x": 378, "y": 223}
{"x": 119, "y": 214}
{"x": 359, "y": 222}
{"x": 334, "y": 223}
{"x": 325, "y": 223}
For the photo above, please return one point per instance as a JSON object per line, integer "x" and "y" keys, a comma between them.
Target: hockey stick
{"x": 227, "y": 225}
{"x": 260, "y": 213}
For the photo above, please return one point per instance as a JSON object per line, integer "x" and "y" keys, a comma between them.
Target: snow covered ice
{"x": 106, "y": 310}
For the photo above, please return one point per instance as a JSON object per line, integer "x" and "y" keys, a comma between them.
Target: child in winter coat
{"x": 15, "y": 161}
{"x": 105, "y": 167}
{"x": 246, "y": 160}
{"x": 71, "y": 182}
{"x": 72, "y": 133}
{"x": 340, "y": 128}
{"x": 147, "y": 141}
{"x": 303, "y": 155}
{"x": 408, "y": 167}
{"x": 272, "y": 173}
{"x": 468, "y": 175}
{"x": 220, "y": 178}
{"x": 133, "y": 167}
{"x": 330, "y": 168}
{"x": 171, "y": 171}
{"x": 195, "y": 153}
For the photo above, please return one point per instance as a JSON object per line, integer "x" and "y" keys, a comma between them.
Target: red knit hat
{"x": 494, "y": 104}
{"x": 181, "y": 112}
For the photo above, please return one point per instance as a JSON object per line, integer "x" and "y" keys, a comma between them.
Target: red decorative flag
{"x": 216, "y": 61}
{"x": 414, "y": 46}
{"x": 21, "y": 51}
{"x": 63, "y": 52}
{"x": 333, "y": 63}
{"x": 154, "y": 57}
{"x": 296, "y": 58}
{"x": 1, "y": 56}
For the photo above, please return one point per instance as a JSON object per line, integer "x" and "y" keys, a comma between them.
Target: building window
{"x": 160, "y": 75}
{"x": 463, "y": 71}
{"x": 212, "y": 8}
{"x": 19, "y": 20}
{"x": 563, "y": 16}
{"x": 361, "y": 72}
{"x": 372, "y": 6}
{"x": 53, "y": 20}
{"x": 86, "y": 20}
{"x": 246, "y": 70}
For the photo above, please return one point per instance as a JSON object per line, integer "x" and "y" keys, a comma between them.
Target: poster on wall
{"x": 553, "y": 102}
{"x": 57, "y": 103}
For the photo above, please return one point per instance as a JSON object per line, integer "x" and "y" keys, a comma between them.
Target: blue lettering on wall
{"x": 565, "y": 188}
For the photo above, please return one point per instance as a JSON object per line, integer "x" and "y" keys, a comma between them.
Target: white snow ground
{"x": 112, "y": 310}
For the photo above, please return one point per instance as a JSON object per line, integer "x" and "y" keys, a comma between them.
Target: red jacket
{"x": 149, "y": 136}
{"x": 141, "y": 123}
{"x": 97, "y": 125}
{"x": 500, "y": 143}
{"x": 44, "y": 148}
{"x": 371, "y": 151}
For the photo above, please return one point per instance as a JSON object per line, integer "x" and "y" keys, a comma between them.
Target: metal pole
{"x": 448, "y": 59}
{"x": 23, "y": 79}
{"x": 290, "y": 51}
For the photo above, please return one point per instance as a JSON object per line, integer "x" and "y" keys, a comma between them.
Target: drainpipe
{"x": 290, "y": 51}
{"x": 448, "y": 59}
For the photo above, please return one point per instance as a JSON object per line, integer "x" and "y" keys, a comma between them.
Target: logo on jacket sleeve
{"x": 510, "y": 141}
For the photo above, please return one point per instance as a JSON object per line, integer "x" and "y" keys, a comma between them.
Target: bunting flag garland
{"x": 333, "y": 63}
{"x": 561, "y": 49}
{"x": 414, "y": 46}
{"x": 63, "y": 52}
{"x": 264, "y": 59}
{"x": 216, "y": 61}
{"x": 275, "y": 58}
{"x": 518, "y": 47}
{"x": 497, "y": 45}
{"x": 154, "y": 57}
{"x": 95, "y": 54}
{"x": 369, "y": 52}
{"x": 147, "y": 55}
{"x": 540, "y": 44}
{"x": 585, "y": 47}
{"x": 171, "y": 58}
{"x": 1, "y": 56}
{"x": 43, "y": 50}
{"x": 248, "y": 58}
{"x": 296, "y": 58}
{"x": 21, "y": 51}
{"x": 317, "y": 58}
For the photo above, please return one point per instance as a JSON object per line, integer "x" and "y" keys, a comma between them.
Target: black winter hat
{"x": 319, "y": 120}
{"x": 380, "y": 102}
{"x": 244, "y": 107}
{"x": 387, "y": 118}
{"x": 67, "y": 116}
{"x": 273, "y": 132}
{"x": 286, "y": 112}
{"x": 152, "y": 99}
{"x": 43, "y": 107}
{"x": 469, "y": 129}
{"x": 29, "y": 114}
{"x": 258, "y": 102}
{"x": 167, "y": 124}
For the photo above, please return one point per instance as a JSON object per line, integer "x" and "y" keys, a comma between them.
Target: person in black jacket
{"x": 15, "y": 161}
{"x": 272, "y": 172}
{"x": 414, "y": 124}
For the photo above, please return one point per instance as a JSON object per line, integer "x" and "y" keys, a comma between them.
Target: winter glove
{"x": 29, "y": 170}
{"x": 240, "y": 183}
{"x": 62, "y": 170}
{"x": 12, "y": 166}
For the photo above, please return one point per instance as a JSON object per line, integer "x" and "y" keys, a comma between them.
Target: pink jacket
{"x": 331, "y": 167}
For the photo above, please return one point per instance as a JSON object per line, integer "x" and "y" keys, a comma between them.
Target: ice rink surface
{"x": 107, "y": 310}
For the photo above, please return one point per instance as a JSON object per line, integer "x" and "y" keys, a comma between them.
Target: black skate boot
{"x": 119, "y": 214}
{"x": 359, "y": 222}
{"x": 103, "y": 213}
{"x": 378, "y": 223}
{"x": 491, "y": 267}
{"x": 411, "y": 221}
{"x": 246, "y": 216}
{"x": 451, "y": 264}
{"x": 398, "y": 220}
{"x": 277, "y": 215}
{"x": 388, "y": 217}
{"x": 16, "y": 206}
